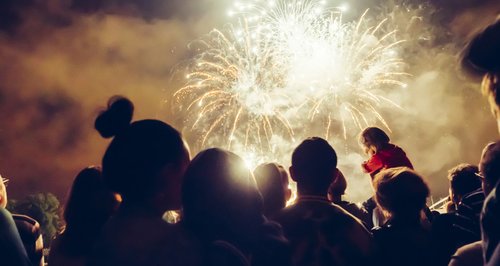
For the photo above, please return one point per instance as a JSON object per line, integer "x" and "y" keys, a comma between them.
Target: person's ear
{"x": 293, "y": 175}
{"x": 288, "y": 194}
{"x": 335, "y": 173}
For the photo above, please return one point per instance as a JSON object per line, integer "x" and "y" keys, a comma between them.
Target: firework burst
{"x": 284, "y": 65}
{"x": 344, "y": 69}
{"x": 236, "y": 85}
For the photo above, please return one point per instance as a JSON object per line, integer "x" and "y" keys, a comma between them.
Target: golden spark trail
{"x": 284, "y": 67}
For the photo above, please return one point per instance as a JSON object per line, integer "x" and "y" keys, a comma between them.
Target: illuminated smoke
{"x": 285, "y": 65}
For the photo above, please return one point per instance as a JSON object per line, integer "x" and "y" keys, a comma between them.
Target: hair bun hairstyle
{"x": 115, "y": 118}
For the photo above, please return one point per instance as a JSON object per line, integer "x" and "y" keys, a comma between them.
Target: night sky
{"x": 60, "y": 60}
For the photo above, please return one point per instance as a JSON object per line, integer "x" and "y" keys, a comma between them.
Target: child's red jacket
{"x": 389, "y": 157}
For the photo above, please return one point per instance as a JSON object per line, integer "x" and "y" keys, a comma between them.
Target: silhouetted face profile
{"x": 489, "y": 166}
{"x": 482, "y": 57}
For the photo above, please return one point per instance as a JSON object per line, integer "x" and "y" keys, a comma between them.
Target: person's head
{"x": 373, "y": 139}
{"x": 482, "y": 57}
{"x": 90, "y": 203}
{"x": 3, "y": 192}
{"x": 337, "y": 187}
{"x": 146, "y": 159}
{"x": 463, "y": 180}
{"x": 314, "y": 166}
{"x": 401, "y": 192}
{"x": 272, "y": 181}
{"x": 489, "y": 166}
{"x": 219, "y": 195}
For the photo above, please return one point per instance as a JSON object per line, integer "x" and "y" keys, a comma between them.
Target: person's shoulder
{"x": 474, "y": 247}
{"x": 354, "y": 209}
{"x": 27, "y": 225}
{"x": 312, "y": 209}
{"x": 284, "y": 214}
{"x": 392, "y": 149}
{"x": 378, "y": 231}
{"x": 386, "y": 235}
{"x": 346, "y": 205}
{"x": 474, "y": 198}
{"x": 25, "y": 219}
{"x": 470, "y": 254}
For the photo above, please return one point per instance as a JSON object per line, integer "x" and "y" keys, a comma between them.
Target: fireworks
{"x": 236, "y": 85}
{"x": 284, "y": 66}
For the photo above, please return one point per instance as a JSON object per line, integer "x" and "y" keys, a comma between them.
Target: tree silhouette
{"x": 43, "y": 207}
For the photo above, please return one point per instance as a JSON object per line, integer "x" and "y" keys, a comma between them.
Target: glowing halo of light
{"x": 284, "y": 65}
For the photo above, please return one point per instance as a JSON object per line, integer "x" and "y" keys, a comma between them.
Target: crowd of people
{"x": 230, "y": 215}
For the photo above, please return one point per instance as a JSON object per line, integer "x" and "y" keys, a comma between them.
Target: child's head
{"x": 373, "y": 139}
{"x": 338, "y": 187}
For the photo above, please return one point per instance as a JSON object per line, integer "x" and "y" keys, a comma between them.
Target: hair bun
{"x": 116, "y": 118}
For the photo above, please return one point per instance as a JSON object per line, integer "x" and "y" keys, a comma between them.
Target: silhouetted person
{"x": 320, "y": 232}
{"x": 28, "y": 229}
{"x": 337, "y": 190}
{"x": 90, "y": 204}
{"x": 482, "y": 57}
{"x": 465, "y": 189}
{"x": 481, "y": 251}
{"x": 272, "y": 181}
{"x": 382, "y": 155}
{"x": 144, "y": 163}
{"x": 221, "y": 202}
{"x": 461, "y": 226}
{"x": 403, "y": 239}
{"x": 12, "y": 251}
{"x": 489, "y": 168}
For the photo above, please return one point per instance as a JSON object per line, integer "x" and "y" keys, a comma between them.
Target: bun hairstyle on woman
{"x": 116, "y": 117}
{"x": 145, "y": 158}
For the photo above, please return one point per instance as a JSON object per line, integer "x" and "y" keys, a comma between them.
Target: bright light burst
{"x": 236, "y": 84}
{"x": 285, "y": 66}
